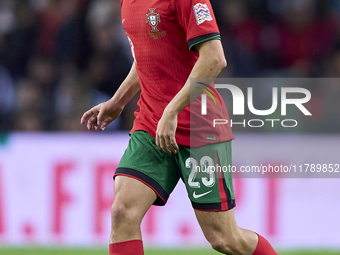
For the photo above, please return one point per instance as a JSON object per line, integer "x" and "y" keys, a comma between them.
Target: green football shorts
{"x": 204, "y": 170}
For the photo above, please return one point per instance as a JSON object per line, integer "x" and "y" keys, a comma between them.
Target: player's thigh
{"x": 133, "y": 195}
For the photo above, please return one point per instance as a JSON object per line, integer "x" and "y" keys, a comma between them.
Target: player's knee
{"x": 122, "y": 213}
{"x": 124, "y": 223}
{"x": 220, "y": 245}
{"x": 227, "y": 244}
{"x": 119, "y": 213}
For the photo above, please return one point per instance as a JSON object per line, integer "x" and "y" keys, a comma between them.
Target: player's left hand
{"x": 165, "y": 134}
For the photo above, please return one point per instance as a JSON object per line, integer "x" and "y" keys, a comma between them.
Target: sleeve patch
{"x": 202, "y": 13}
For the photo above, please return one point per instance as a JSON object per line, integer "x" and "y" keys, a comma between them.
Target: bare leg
{"x": 131, "y": 201}
{"x": 224, "y": 235}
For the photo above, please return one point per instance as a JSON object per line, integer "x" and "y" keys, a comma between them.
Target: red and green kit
{"x": 162, "y": 36}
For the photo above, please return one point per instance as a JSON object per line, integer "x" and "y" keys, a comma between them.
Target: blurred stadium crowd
{"x": 60, "y": 57}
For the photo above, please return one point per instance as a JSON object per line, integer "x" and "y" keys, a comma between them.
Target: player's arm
{"x": 101, "y": 115}
{"x": 210, "y": 63}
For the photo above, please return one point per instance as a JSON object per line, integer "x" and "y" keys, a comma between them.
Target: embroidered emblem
{"x": 202, "y": 13}
{"x": 153, "y": 19}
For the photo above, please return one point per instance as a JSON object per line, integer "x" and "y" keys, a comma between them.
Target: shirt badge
{"x": 153, "y": 19}
{"x": 202, "y": 13}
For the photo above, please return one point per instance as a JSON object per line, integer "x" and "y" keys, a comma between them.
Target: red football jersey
{"x": 162, "y": 36}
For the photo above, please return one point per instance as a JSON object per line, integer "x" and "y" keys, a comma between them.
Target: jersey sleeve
{"x": 198, "y": 20}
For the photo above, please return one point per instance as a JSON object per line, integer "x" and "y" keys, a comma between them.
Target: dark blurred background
{"x": 58, "y": 58}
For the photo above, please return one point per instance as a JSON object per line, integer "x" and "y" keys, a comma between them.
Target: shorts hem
{"x": 213, "y": 207}
{"x": 162, "y": 195}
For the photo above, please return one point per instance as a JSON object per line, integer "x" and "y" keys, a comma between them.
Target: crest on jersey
{"x": 153, "y": 19}
{"x": 202, "y": 13}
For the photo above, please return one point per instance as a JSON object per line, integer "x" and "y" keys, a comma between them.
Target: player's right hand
{"x": 98, "y": 117}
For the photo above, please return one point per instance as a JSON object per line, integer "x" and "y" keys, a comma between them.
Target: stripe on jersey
{"x": 202, "y": 38}
{"x": 226, "y": 202}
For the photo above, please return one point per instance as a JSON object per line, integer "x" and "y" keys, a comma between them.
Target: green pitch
{"x": 65, "y": 251}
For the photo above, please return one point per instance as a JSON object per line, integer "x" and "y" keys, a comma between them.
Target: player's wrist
{"x": 116, "y": 104}
{"x": 171, "y": 112}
